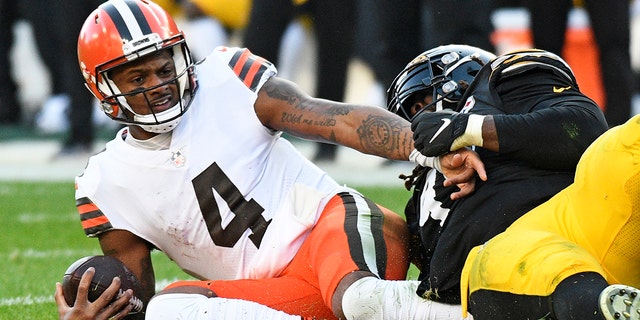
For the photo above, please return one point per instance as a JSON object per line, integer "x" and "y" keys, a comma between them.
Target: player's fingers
{"x": 461, "y": 160}
{"x": 121, "y": 307}
{"x": 83, "y": 287}
{"x": 462, "y": 174}
{"x": 465, "y": 190}
{"x": 59, "y": 295}
{"x": 480, "y": 170}
{"x": 109, "y": 294}
{"x": 123, "y": 300}
{"x": 457, "y": 159}
{"x": 101, "y": 305}
{"x": 63, "y": 307}
{"x": 472, "y": 160}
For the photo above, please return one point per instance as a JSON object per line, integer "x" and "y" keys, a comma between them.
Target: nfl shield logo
{"x": 178, "y": 159}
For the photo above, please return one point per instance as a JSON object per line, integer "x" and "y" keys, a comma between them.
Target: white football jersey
{"x": 230, "y": 198}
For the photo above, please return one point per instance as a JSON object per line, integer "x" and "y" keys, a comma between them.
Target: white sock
{"x": 185, "y": 306}
{"x": 372, "y": 298}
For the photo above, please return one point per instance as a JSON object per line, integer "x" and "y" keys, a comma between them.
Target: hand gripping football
{"x": 106, "y": 268}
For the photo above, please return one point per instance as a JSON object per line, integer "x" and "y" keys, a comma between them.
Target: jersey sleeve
{"x": 93, "y": 220}
{"x": 545, "y": 121}
{"x": 251, "y": 69}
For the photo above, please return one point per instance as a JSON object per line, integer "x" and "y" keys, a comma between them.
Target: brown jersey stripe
{"x": 83, "y": 200}
{"x": 238, "y": 60}
{"x": 92, "y": 219}
{"x": 255, "y": 71}
{"x": 95, "y": 225}
{"x": 248, "y": 68}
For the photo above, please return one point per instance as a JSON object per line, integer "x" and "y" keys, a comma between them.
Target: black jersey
{"x": 544, "y": 124}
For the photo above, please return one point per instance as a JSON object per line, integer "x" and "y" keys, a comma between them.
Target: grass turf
{"x": 40, "y": 235}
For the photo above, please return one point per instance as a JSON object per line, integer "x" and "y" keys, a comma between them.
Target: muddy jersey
{"x": 544, "y": 125}
{"x": 229, "y": 198}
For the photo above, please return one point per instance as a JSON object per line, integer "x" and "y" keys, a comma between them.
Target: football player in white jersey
{"x": 202, "y": 174}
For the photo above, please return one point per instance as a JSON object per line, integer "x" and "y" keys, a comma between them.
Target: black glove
{"x": 435, "y": 132}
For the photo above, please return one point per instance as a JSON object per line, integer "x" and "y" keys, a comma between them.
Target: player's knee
{"x": 372, "y": 298}
{"x": 362, "y": 300}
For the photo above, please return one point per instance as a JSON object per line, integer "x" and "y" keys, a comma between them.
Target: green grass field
{"x": 40, "y": 235}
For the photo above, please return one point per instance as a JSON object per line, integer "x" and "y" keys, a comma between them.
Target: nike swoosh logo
{"x": 560, "y": 89}
{"x": 445, "y": 124}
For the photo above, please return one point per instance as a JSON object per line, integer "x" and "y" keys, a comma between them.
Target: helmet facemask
{"x": 184, "y": 80}
{"x": 444, "y": 73}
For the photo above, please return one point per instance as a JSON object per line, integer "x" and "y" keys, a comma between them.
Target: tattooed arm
{"x": 282, "y": 105}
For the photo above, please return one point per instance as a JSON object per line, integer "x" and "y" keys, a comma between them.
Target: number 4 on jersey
{"x": 248, "y": 214}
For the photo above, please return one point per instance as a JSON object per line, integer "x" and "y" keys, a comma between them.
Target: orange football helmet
{"x": 120, "y": 31}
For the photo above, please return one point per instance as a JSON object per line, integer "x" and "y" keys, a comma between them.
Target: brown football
{"x": 106, "y": 268}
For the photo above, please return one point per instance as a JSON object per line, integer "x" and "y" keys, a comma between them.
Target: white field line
{"x": 41, "y": 217}
{"x": 32, "y": 300}
{"x": 25, "y": 301}
{"x": 48, "y": 254}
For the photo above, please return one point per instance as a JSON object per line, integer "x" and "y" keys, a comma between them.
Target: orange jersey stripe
{"x": 90, "y": 223}
{"x": 89, "y": 207}
{"x": 253, "y": 71}
{"x": 237, "y": 69}
{"x": 249, "y": 68}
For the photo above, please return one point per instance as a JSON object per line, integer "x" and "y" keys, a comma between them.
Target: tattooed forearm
{"x": 368, "y": 129}
{"x": 291, "y": 118}
{"x": 376, "y": 133}
{"x": 384, "y": 136}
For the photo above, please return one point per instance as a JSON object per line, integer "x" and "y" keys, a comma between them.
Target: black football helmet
{"x": 445, "y": 72}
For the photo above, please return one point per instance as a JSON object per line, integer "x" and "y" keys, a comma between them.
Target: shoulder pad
{"x": 518, "y": 62}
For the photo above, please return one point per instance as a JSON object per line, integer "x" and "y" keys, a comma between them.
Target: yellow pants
{"x": 592, "y": 225}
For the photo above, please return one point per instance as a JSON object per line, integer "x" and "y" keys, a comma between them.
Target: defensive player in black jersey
{"x": 522, "y": 112}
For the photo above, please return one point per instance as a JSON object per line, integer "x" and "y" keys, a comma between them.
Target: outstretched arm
{"x": 282, "y": 105}
{"x": 551, "y": 137}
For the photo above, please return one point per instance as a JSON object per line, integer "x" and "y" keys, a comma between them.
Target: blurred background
{"x": 346, "y": 50}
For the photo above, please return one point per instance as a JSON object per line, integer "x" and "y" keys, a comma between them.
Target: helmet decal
{"x": 128, "y": 19}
